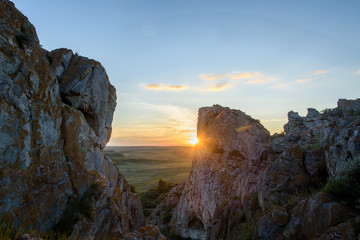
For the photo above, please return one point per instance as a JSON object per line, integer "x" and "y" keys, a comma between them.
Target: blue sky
{"x": 168, "y": 58}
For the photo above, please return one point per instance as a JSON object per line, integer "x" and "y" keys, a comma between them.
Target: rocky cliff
{"x": 56, "y": 110}
{"x": 247, "y": 184}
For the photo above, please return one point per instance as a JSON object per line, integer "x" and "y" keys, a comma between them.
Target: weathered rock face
{"x": 84, "y": 85}
{"x": 56, "y": 111}
{"x": 231, "y": 143}
{"x": 242, "y": 177}
{"x": 336, "y": 131}
{"x": 313, "y": 216}
{"x": 283, "y": 177}
{"x": 271, "y": 224}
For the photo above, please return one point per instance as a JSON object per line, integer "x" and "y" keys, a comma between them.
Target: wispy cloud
{"x": 232, "y": 76}
{"x": 216, "y": 82}
{"x": 357, "y": 72}
{"x": 210, "y": 77}
{"x": 260, "y": 80}
{"x": 304, "y": 80}
{"x": 320, "y": 71}
{"x": 162, "y": 87}
{"x": 217, "y": 87}
{"x": 281, "y": 85}
{"x": 246, "y": 75}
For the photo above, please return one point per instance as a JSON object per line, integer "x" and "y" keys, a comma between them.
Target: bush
{"x": 346, "y": 186}
{"x": 75, "y": 208}
{"x": 247, "y": 231}
{"x": 311, "y": 147}
{"x": 23, "y": 39}
{"x": 163, "y": 186}
{"x": 132, "y": 188}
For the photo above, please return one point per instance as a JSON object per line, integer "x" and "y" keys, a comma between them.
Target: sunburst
{"x": 194, "y": 140}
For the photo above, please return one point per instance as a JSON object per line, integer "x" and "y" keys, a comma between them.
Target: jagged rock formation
{"x": 244, "y": 181}
{"x": 228, "y": 138}
{"x": 56, "y": 111}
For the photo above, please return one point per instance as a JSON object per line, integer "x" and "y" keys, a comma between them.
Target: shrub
{"x": 73, "y": 210}
{"x": 247, "y": 231}
{"x": 309, "y": 147}
{"x": 326, "y": 111}
{"x": 23, "y": 39}
{"x": 132, "y": 188}
{"x": 163, "y": 186}
{"x": 346, "y": 186}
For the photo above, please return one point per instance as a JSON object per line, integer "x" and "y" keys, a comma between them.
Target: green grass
{"x": 11, "y": 232}
{"x": 309, "y": 147}
{"x": 247, "y": 231}
{"x": 144, "y": 166}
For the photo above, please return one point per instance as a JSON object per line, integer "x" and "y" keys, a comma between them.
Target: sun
{"x": 194, "y": 140}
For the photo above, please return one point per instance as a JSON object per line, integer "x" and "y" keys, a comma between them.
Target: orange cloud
{"x": 232, "y": 76}
{"x": 304, "y": 80}
{"x": 318, "y": 72}
{"x": 242, "y": 75}
{"x": 218, "y": 87}
{"x": 281, "y": 86}
{"x": 211, "y": 77}
{"x": 163, "y": 87}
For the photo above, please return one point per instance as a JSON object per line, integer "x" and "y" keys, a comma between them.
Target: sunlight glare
{"x": 194, "y": 140}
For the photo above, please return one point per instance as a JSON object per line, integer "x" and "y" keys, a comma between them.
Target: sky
{"x": 169, "y": 58}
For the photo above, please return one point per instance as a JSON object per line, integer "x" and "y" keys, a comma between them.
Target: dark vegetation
{"x": 151, "y": 198}
{"x": 346, "y": 187}
{"x": 75, "y": 208}
{"x": 23, "y": 39}
{"x": 11, "y": 232}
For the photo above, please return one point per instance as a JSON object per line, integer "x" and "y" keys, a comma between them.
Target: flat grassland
{"x": 144, "y": 166}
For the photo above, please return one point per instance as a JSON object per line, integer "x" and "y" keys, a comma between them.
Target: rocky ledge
{"x": 246, "y": 184}
{"x": 56, "y": 110}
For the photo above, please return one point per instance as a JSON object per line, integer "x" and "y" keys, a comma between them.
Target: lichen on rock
{"x": 56, "y": 110}
{"x": 245, "y": 183}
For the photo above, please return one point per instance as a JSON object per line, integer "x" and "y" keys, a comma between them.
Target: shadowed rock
{"x": 56, "y": 112}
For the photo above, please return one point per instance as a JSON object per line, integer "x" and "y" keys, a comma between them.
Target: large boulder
{"x": 228, "y": 156}
{"x": 85, "y": 86}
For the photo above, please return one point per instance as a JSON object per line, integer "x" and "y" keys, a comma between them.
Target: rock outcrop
{"x": 231, "y": 150}
{"x": 56, "y": 110}
{"x": 245, "y": 183}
